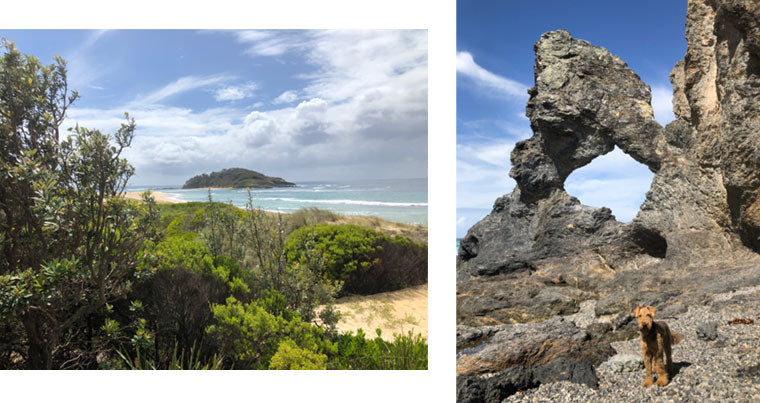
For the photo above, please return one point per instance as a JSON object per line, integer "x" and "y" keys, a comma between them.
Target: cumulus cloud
{"x": 362, "y": 113}
{"x": 467, "y": 67}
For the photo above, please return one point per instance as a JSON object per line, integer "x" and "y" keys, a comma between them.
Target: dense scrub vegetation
{"x": 235, "y": 178}
{"x": 366, "y": 261}
{"x": 91, "y": 280}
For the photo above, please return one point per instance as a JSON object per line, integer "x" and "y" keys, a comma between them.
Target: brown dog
{"x": 656, "y": 339}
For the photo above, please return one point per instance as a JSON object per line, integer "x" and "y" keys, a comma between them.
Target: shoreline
{"x": 416, "y": 232}
{"x": 159, "y": 196}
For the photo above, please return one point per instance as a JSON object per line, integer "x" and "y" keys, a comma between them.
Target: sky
{"x": 302, "y": 105}
{"x": 494, "y": 65}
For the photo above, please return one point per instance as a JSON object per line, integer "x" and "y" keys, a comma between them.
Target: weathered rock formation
{"x": 540, "y": 252}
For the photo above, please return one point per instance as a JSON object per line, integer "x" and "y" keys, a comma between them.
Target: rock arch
{"x": 701, "y": 215}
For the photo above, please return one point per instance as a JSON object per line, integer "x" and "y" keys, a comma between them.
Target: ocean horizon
{"x": 398, "y": 200}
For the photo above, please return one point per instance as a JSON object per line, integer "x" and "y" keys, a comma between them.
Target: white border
{"x": 436, "y": 384}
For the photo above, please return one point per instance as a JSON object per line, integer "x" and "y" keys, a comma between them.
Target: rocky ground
{"x": 717, "y": 361}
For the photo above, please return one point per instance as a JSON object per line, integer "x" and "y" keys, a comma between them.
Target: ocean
{"x": 398, "y": 200}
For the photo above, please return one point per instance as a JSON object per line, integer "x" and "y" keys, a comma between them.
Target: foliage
{"x": 255, "y": 240}
{"x": 178, "y": 361}
{"x": 70, "y": 242}
{"x": 224, "y": 233}
{"x": 364, "y": 260}
{"x": 358, "y": 352}
{"x": 290, "y": 356}
{"x": 251, "y": 334}
{"x": 235, "y": 178}
{"x": 344, "y": 248}
{"x": 185, "y": 280}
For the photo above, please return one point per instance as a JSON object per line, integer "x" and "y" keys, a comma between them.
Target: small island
{"x": 235, "y": 178}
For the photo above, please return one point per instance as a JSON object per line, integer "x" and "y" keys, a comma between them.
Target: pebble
{"x": 724, "y": 369}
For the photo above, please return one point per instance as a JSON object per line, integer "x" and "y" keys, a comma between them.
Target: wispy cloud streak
{"x": 466, "y": 66}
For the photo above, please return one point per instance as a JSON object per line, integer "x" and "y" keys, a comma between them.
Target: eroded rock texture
{"x": 540, "y": 252}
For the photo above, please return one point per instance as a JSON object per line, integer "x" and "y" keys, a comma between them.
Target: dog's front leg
{"x": 659, "y": 367}
{"x": 648, "y": 365}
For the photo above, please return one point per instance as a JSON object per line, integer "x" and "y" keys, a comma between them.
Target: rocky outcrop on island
{"x": 235, "y": 178}
{"x": 541, "y": 253}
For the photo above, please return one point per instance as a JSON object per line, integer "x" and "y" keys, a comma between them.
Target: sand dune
{"x": 393, "y": 312}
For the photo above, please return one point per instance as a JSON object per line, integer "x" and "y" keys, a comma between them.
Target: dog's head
{"x": 645, "y": 317}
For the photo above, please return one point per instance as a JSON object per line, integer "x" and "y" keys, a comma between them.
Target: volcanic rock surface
{"x": 540, "y": 253}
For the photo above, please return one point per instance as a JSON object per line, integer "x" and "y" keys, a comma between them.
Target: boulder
{"x": 624, "y": 363}
{"x": 707, "y": 331}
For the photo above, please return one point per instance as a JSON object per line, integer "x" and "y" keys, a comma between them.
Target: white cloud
{"x": 466, "y": 66}
{"x": 82, "y": 71}
{"x": 614, "y": 180}
{"x": 270, "y": 43}
{"x": 482, "y": 173}
{"x": 662, "y": 103}
{"x": 182, "y": 84}
{"x": 362, "y": 114}
{"x": 157, "y": 121}
{"x": 286, "y": 97}
{"x": 234, "y": 93}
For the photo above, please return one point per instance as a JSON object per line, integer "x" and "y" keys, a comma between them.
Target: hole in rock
{"x": 650, "y": 241}
{"x": 614, "y": 180}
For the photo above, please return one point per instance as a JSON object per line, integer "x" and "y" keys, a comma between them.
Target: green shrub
{"x": 290, "y": 356}
{"x": 364, "y": 260}
{"x": 344, "y": 249}
{"x": 70, "y": 241}
{"x": 357, "y": 352}
{"x": 185, "y": 280}
{"x": 252, "y": 336}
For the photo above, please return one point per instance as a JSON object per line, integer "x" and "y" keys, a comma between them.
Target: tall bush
{"x": 69, "y": 241}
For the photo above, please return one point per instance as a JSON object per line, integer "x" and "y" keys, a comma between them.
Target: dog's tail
{"x": 676, "y": 337}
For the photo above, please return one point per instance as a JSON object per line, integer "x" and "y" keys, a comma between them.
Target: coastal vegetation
{"x": 235, "y": 178}
{"x": 91, "y": 280}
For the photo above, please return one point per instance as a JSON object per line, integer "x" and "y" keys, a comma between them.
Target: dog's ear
{"x": 636, "y": 310}
{"x": 652, "y": 309}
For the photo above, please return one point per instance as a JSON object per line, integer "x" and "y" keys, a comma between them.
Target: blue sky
{"x": 303, "y": 105}
{"x": 495, "y": 67}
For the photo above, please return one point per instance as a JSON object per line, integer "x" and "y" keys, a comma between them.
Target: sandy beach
{"x": 393, "y": 312}
{"x": 160, "y": 197}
